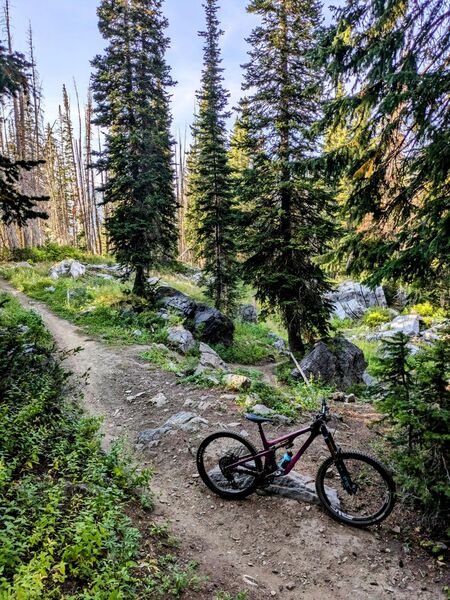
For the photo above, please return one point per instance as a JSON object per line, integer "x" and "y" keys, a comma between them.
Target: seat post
{"x": 263, "y": 436}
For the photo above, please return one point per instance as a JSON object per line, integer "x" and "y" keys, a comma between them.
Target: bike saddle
{"x": 257, "y": 419}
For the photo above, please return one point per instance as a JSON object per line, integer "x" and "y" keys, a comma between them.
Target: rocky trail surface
{"x": 272, "y": 547}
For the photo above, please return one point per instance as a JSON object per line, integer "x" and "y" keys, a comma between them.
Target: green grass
{"x": 371, "y": 350}
{"x": 102, "y": 308}
{"x": 63, "y": 501}
{"x": 251, "y": 345}
{"x": 52, "y": 252}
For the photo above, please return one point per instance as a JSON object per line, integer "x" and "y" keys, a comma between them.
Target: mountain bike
{"x": 352, "y": 487}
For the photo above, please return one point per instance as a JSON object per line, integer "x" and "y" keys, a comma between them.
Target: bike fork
{"x": 346, "y": 479}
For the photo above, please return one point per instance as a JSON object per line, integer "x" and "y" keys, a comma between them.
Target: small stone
{"x": 159, "y": 400}
{"x": 237, "y": 382}
{"x": 137, "y": 333}
{"x": 290, "y": 586}
{"x": 248, "y": 579}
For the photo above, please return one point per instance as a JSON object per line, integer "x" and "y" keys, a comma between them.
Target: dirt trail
{"x": 272, "y": 547}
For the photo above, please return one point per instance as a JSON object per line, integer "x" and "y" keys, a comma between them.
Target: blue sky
{"x": 66, "y": 38}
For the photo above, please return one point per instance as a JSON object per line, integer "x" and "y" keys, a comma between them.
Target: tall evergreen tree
{"x": 287, "y": 223}
{"x": 131, "y": 88}
{"x": 210, "y": 198}
{"x": 392, "y": 56}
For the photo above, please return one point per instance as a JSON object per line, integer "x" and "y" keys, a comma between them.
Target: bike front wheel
{"x": 216, "y": 463}
{"x": 355, "y": 489}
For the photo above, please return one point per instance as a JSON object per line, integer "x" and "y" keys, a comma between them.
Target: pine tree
{"x": 130, "y": 87}
{"x": 392, "y": 57}
{"x": 413, "y": 394}
{"x": 210, "y": 198}
{"x": 286, "y": 206}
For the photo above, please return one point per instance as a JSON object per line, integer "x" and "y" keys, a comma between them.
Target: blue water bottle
{"x": 283, "y": 463}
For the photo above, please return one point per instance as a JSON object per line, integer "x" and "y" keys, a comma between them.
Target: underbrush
{"x": 251, "y": 345}
{"x": 52, "y": 252}
{"x": 64, "y": 502}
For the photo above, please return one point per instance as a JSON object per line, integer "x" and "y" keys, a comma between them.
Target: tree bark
{"x": 139, "y": 282}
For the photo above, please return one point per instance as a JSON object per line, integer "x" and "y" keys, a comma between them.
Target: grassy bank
{"x": 64, "y": 529}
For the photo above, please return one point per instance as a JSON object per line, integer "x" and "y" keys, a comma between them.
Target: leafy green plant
{"x": 377, "y": 316}
{"x": 428, "y": 312}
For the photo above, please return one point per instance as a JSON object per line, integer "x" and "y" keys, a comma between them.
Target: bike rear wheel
{"x": 215, "y": 464}
{"x": 355, "y": 489}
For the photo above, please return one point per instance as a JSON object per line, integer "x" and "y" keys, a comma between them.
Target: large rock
{"x": 184, "y": 421}
{"x": 148, "y": 436}
{"x": 337, "y": 362}
{"x": 108, "y": 271}
{"x": 248, "y": 313}
{"x": 181, "y": 339}
{"x": 212, "y": 326}
{"x": 351, "y": 299}
{"x": 209, "y": 359}
{"x": 298, "y": 487}
{"x": 70, "y": 267}
{"x": 293, "y": 486}
{"x": 409, "y": 325}
{"x": 169, "y": 297}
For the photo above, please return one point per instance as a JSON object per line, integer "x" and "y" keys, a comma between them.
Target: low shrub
{"x": 428, "y": 312}
{"x": 376, "y": 316}
{"x": 52, "y": 252}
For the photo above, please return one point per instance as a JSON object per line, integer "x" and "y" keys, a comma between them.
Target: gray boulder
{"x": 181, "y": 339}
{"x": 152, "y": 435}
{"x": 430, "y": 335}
{"x": 209, "y": 359}
{"x": 298, "y": 487}
{"x": 169, "y": 297}
{"x": 352, "y": 299}
{"x": 265, "y": 411}
{"x": 409, "y": 325}
{"x": 368, "y": 379}
{"x": 337, "y": 362}
{"x": 69, "y": 267}
{"x": 212, "y": 326}
{"x": 184, "y": 421}
{"x": 278, "y": 342}
{"x": 293, "y": 486}
{"x": 248, "y": 313}
{"x": 179, "y": 419}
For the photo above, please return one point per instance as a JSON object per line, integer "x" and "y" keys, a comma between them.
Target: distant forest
{"x": 338, "y": 160}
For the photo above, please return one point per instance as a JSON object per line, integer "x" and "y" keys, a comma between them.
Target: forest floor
{"x": 270, "y": 546}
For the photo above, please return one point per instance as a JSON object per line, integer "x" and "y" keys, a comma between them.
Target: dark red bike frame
{"x": 270, "y": 446}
